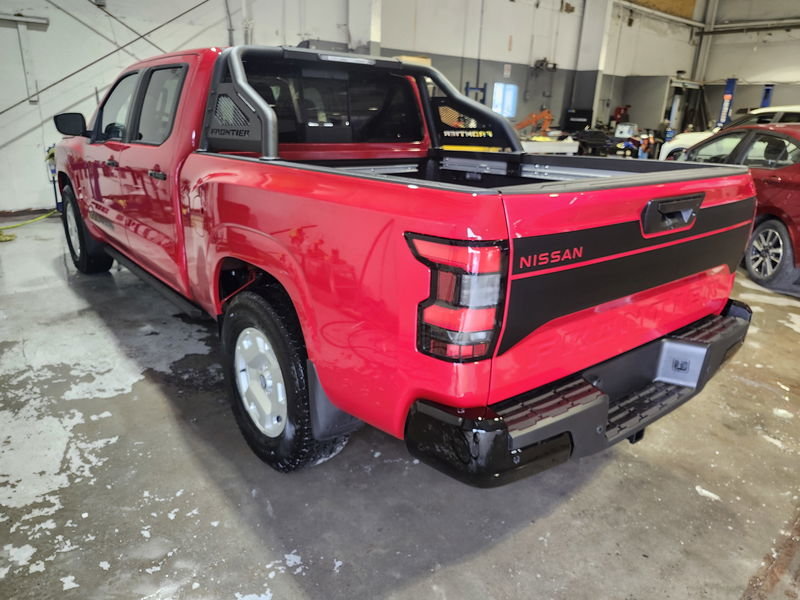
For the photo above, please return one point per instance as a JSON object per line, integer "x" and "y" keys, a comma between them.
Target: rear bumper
{"x": 578, "y": 415}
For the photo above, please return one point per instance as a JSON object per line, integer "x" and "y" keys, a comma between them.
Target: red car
{"x": 772, "y": 151}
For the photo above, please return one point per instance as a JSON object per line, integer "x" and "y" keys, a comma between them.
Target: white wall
{"x": 288, "y": 22}
{"x": 513, "y": 32}
{"x": 66, "y": 46}
{"x": 764, "y": 57}
{"x": 760, "y": 57}
{"x": 648, "y": 46}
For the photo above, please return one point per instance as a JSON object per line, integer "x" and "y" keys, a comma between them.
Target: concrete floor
{"x": 122, "y": 475}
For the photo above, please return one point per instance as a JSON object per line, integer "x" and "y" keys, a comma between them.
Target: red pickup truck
{"x": 377, "y": 248}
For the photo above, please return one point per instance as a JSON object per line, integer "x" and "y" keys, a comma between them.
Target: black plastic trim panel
{"x": 600, "y": 242}
{"x": 539, "y": 299}
{"x": 580, "y": 414}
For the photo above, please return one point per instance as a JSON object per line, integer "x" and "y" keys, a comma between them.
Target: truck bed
{"x": 625, "y": 288}
{"x": 524, "y": 173}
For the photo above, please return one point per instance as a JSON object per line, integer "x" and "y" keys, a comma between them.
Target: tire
{"x": 86, "y": 252}
{"x": 769, "y": 258}
{"x": 265, "y": 367}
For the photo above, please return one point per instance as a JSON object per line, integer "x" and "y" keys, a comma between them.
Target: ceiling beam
{"x": 735, "y": 24}
{"x": 753, "y": 26}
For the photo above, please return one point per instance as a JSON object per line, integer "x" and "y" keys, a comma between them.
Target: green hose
{"x": 10, "y": 236}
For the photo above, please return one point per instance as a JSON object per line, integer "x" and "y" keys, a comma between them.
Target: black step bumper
{"x": 578, "y": 415}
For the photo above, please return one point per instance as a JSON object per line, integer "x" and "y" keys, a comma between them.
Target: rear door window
{"x": 159, "y": 106}
{"x": 328, "y": 105}
{"x": 717, "y": 150}
{"x": 771, "y": 152}
{"x": 790, "y": 117}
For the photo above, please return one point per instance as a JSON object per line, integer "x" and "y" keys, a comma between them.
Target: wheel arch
{"x": 63, "y": 180}
{"x": 233, "y": 275}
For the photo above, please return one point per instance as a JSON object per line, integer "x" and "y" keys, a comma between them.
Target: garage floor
{"x": 122, "y": 475}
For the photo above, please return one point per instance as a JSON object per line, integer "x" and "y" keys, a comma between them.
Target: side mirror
{"x": 114, "y": 131}
{"x": 71, "y": 124}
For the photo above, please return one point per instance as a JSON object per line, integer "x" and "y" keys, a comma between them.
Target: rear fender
{"x": 269, "y": 255}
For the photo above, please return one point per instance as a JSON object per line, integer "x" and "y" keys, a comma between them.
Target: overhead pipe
{"x": 577, "y": 58}
{"x": 247, "y": 23}
{"x": 230, "y": 23}
{"x": 739, "y": 24}
{"x": 752, "y": 28}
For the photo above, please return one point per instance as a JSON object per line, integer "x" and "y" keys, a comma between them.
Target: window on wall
{"x": 504, "y": 99}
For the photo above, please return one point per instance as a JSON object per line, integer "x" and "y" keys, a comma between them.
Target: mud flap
{"x": 327, "y": 421}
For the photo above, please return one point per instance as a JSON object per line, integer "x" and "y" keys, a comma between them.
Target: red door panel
{"x": 778, "y": 192}
{"x": 149, "y": 167}
{"x": 102, "y": 190}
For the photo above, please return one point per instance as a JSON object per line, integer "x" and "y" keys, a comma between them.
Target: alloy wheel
{"x": 260, "y": 382}
{"x": 766, "y": 252}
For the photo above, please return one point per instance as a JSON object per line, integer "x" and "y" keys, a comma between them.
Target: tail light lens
{"x": 460, "y": 319}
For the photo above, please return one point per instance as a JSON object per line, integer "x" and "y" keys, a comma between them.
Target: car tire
{"x": 265, "y": 367}
{"x": 87, "y": 253}
{"x": 769, "y": 257}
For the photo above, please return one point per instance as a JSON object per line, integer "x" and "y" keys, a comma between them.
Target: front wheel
{"x": 769, "y": 258}
{"x": 86, "y": 252}
{"x": 264, "y": 359}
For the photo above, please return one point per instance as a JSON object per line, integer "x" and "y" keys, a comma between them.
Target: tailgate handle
{"x": 666, "y": 214}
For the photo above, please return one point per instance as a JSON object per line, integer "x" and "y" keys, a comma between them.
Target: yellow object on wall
{"x": 679, "y": 8}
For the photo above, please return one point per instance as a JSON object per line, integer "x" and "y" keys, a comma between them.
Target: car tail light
{"x": 460, "y": 320}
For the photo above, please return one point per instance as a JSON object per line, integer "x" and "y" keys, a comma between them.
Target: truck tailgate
{"x": 599, "y": 270}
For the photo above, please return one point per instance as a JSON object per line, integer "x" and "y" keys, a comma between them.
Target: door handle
{"x": 157, "y": 175}
{"x": 112, "y": 163}
{"x": 773, "y": 179}
{"x": 666, "y": 214}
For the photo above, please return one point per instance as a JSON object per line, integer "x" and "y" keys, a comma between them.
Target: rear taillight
{"x": 460, "y": 320}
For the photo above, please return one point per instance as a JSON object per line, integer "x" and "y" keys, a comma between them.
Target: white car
{"x": 770, "y": 114}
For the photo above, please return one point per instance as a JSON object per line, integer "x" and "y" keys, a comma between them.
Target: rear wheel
{"x": 769, "y": 258}
{"x": 86, "y": 252}
{"x": 264, "y": 360}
